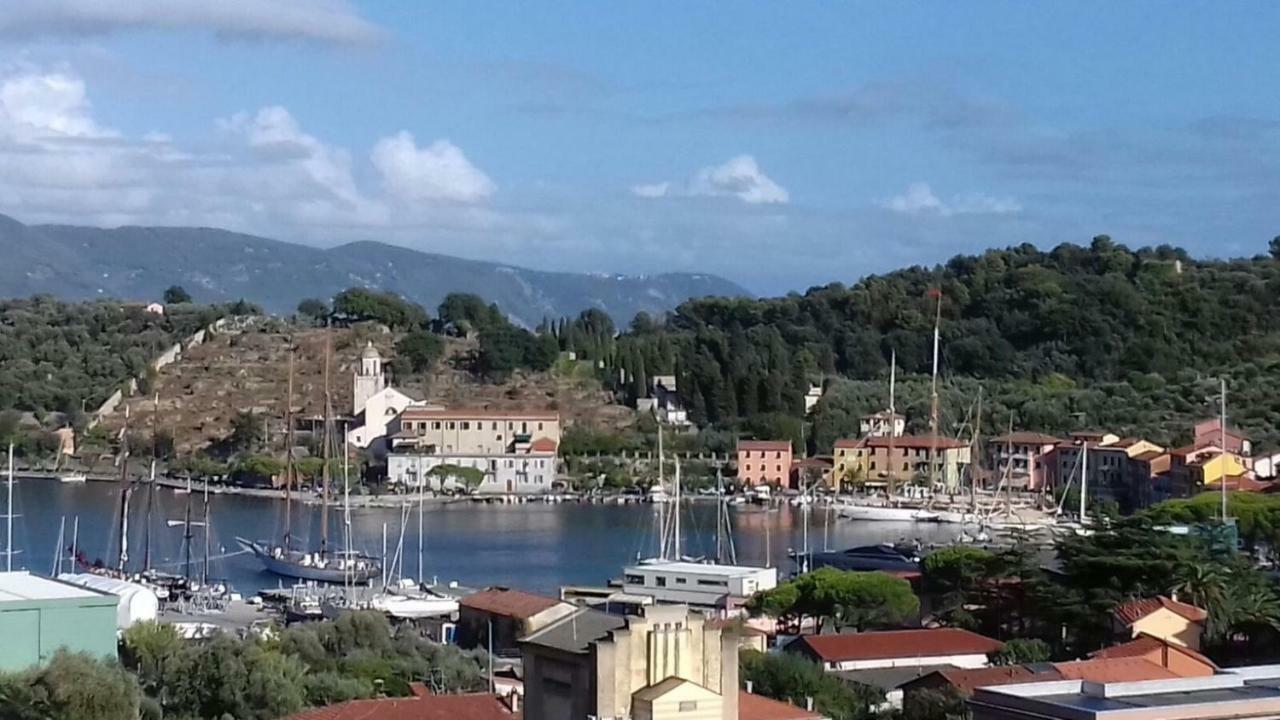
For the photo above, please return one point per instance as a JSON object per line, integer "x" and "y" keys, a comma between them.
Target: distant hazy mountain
{"x": 140, "y": 262}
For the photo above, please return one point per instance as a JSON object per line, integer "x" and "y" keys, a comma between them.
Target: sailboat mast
{"x": 422, "y": 498}
{"x": 719, "y": 517}
{"x": 675, "y": 517}
{"x": 186, "y": 541}
{"x": 8, "y": 518}
{"x": 204, "y": 571}
{"x": 346, "y": 507}
{"x": 327, "y": 439}
{"x": 1084, "y": 478}
{"x": 1222, "y": 440}
{"x": 975, "y": 454}
{"x": 288, "y": 455}
{"x": 146, "y": 530}
{"x": 891, "y": 483}
{"x": 75, "y": 543}
{"x": 933, "y": 397}
{"x": 126, "y": 490}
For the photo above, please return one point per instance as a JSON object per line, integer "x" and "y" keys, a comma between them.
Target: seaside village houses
{"x": 514, "y": 449}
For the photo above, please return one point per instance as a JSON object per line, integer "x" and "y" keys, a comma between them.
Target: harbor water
{"x": 534, "y": 546}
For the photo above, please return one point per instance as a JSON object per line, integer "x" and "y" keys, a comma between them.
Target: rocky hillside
{"x": 201, "y": 393}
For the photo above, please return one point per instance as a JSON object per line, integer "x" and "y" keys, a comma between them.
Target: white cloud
{"x": 332, "y": 21}
{"x": 439, "y": 171}
{"x": 651, "y": 190}
{"x": 739, "y": 177}
{"x": 919, "y": 199}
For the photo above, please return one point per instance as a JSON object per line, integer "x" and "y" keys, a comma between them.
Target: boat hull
{"x": 291, "y": 568}
{"x": 887, "y": 514}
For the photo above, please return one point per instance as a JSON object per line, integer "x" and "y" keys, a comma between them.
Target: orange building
{"x": 764, "y": 462}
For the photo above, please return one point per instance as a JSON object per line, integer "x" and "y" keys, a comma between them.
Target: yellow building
{"x": 1160, "y": 617}
{"x": 874, "y": 460}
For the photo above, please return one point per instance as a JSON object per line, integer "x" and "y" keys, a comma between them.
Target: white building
{"x": 527, "y": 473}
{"x": 665, "y": 403}
{"x": 701, "y": 584}
{"x": 375, "y": 403}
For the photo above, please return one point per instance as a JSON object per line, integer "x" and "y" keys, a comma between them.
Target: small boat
{"x": 886, "y": 557}
{"x": 958, "y": 517}
{"x": 331, "y": 568}
{"x": 414, "y": 605}
{"x": 887, "y": 514}
{"x": 72, "y": 478}
{"x": 658, "y": 494}
{"x": 304, "y": 609}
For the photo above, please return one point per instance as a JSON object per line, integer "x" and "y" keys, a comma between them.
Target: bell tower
{"x": 369, "y": 380}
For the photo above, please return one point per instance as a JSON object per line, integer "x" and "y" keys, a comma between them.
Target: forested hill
{"x": 135, "y": 263}
{"x": 1098, "y": 335}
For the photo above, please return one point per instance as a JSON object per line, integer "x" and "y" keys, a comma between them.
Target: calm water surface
{"x": 533, "y": 546}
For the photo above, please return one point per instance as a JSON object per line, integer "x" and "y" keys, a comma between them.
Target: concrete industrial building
{"x": 667, "y": 663}
{"x": 700, "y": 584}
{"x": 39, "y": 616}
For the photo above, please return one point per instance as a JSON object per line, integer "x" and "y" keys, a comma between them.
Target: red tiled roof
{"x": 508, "y": 603}
{"x": 851, "y": 442}
{"x": 1145, "y": 644}
{"x": 1134, "y": 610}
{"x": 478, "y": 706}
{"x": 899, "y": 644}
{"x": 1024, "y": 437}
{"x": 758, "y": 707}
{"x": 1113, "y": 670}
{"x": 478, "y": 413}
{"x": 1149, "y": 455}
{"x": 966, "y": 681}
{"x": 915, "y": 442}
{"x": 543, "y": 445}
{"x": 783, "y": 445}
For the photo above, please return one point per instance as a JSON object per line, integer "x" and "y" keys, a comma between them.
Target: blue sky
{"x": 778, "y": 145}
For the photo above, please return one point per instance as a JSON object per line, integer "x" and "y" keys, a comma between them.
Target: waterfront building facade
{"x": 764, "y": 462}
{"x": 39, "y": 616}
{"x": 532, "y": 472}
{"x": 472, "y": 431}
{"x": 875, "y": 459}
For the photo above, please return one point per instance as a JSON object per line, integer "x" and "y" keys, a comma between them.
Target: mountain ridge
{"x": 135, "y": 262}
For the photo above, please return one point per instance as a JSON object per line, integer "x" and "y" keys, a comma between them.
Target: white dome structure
{"x": 138, "y": 603}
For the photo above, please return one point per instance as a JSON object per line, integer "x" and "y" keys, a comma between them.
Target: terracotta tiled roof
{"x": 1145, "y": 645}
{"x": 543, "y": 445}
{"x": 1024, "y": 437}
{"x": 966, "y": 681}
{"x": 1149, "y": 455}
{"x": 427, "y": 707}
{"x": 783, "y": 445}
{"x": 508, "y": 603}
{"x": 758, "y": 707}
{"x": 478, "y": 413}
{"x": 937, "y": 642}
{"x": 1113, "y": 670}
{"x": 1134, "y": 610}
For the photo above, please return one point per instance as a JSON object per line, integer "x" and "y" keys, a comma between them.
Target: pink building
{"x": 764, "y": 462}
{"x": 1209, "y": 432}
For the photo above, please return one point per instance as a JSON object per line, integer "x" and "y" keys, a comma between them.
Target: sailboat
{"x": 322, "y": 565}
{"x": 887, "y": 512}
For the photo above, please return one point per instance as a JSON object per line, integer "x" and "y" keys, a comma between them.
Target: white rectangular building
{"x": 691, "y": 583}
{"x": 531, "y": 473}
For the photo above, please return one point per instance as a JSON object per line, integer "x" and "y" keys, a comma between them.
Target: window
{"x": 524, "y": 427}
{"x": 466, "y": 425}
{"x": 747, "y": 467}
{"x": 714, "y": 583}
{"x": 777, "y": 468}
{"x": 660, "y": 581}
{"x": 873, "y": 464}
{"x": 539, "y": 426}
{"x": 435, "y": 425}
{"x": 495, "y": 427}
{"x": 681, "y": 581}
{"x": 778, "y": 455}
{"x": 452, "y": 425}
{"x": 688, "y": 705}
{"x": 634, "y": 579}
